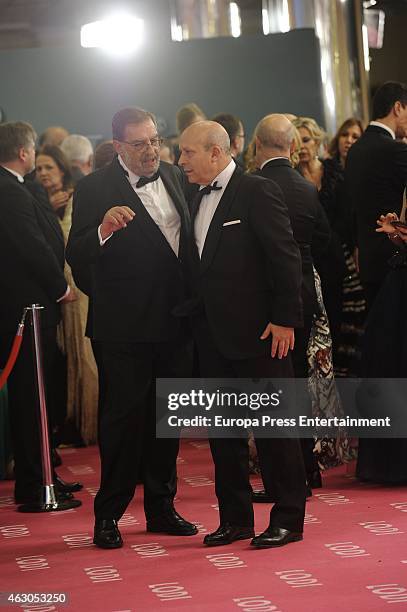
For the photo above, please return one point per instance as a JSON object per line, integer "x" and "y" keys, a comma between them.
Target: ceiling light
{"x": 119, "y": 34}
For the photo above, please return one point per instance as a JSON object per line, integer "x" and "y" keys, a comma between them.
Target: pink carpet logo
{"x": 201, "y": 528}
{"x": 257, "y": 603}
{"x": 310, "y": 519}
{"x": 169, "y": 591}
{"x": 128, "y": 519}
{"x": 6, "y": 500}
{"x": 390, "y": 593}
{"x": 199, "y": 481}
{"x": 92, "y": 490}
{"x": 298, "y": 579}
{"x": 333, "y": 499}
{"x": 32, "y": 563}
{"x": 81, "y": 470}
{"x": 347, "y": 550}
{"x": 402, "y": 506}
{"x": 226, "y": 561}
{"x": 78, "y": 540}
{"x": 150, "y": 550}
{"x": 380, "y": 528}
{"x": 102, "y": 573}
{"x": 14, "y": 531}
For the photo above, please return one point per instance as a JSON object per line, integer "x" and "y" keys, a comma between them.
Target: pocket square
{"x": 232, "y": 222}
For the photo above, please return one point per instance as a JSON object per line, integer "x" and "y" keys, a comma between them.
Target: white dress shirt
{"x": 384, "y": 127}
{"x": 209, "y": 205}
{"x": 159, "y": 206}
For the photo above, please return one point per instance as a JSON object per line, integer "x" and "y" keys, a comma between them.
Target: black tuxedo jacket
{"x": 31, "y": 255}
{"x": 250, "y": 271}
{"x": 308, "y": 221}
{"x": 135, "y": 279}
{"x": 375, "y": 175}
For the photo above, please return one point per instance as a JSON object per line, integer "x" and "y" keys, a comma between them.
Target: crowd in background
{"x": 337, "y": 324}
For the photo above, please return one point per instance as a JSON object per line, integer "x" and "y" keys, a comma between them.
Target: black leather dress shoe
{"x": 227, "y": 533}
{"x": 107, "y": 534}
{"x": 67, "y": 487}
{"x": 275, "y": 536}
{"x": 171, "y": 523}
{"x": 259, "y": 496}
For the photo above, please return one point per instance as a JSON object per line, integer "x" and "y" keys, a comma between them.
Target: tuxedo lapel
{"x": 178, "y": 199}
{"x": 216, "y": 226}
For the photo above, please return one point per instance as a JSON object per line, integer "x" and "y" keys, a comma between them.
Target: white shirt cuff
{"x": 101, "y": 240}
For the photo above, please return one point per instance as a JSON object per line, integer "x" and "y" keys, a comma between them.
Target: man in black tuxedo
{"x": 129, "y": 226}
{"x": 376, "y": 176}
{"x": 274, "y": 140}
{"x": 31, "y": 242}
{"x": 245, "y": 272}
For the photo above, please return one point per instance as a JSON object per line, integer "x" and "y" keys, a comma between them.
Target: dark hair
{"x": 104, "y": 154}
{"x": 128, "y": 115}
{"x": 61, "y": 161}
{"x": 333, "y": 148}
{"x": 386, "y": 96}
{"x": 186, "y": 115}
{"x": 231, "y": 123}
{"x": 14, "y": 136}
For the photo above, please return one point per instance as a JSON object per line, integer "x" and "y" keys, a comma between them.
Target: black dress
{"x": 385, "y": 356}
{"x": 341, "y": 289}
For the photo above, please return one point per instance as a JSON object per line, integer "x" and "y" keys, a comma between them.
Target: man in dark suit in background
{"x": 274, "y": 140}
{"x": 245, "y": 273}
{"x": 376, "y": 176}
{"x": 129, "y": 228}
{"x": 32, "y": 253}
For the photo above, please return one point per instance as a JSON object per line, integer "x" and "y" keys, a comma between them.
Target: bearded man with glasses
{"x": 128, "y": 238}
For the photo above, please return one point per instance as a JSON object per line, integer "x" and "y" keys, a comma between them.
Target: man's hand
{"x": 282, "y": 339}
{"x": 115, "y": 219}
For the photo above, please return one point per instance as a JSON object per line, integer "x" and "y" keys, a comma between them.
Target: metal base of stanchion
{"x": 50, "y": 502}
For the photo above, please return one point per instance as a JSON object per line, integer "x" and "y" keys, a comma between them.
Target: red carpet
{"x": 353, "y": 556}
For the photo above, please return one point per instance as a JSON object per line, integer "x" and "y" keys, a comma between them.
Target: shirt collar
{"x": 384, "y": 127}
{"x": 271, "y": 159}
{"x": 18, "y": 176}
{"x": 223, "y": 177}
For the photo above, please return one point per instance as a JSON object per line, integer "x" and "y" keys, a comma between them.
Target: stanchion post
{"x": 49, "y": 501}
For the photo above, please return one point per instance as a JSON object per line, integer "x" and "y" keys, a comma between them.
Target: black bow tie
{"x": 196, "y": 202}
{"x": 205, "y": 190}
{"x": 143, "y": 180}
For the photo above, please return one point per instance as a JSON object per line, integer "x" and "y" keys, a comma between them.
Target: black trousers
{"x": 24, "y": 407}
{"x": 127, "y": 426}
{"x": 280, "y": 459}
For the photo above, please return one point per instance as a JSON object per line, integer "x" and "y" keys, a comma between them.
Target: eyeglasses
{"x": 141, "y": 145}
